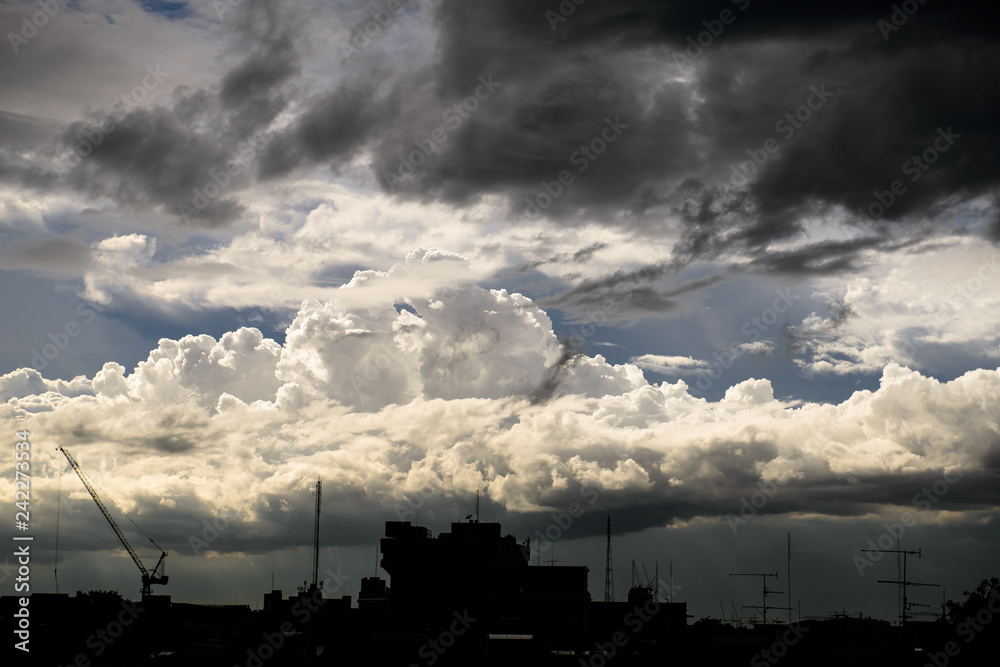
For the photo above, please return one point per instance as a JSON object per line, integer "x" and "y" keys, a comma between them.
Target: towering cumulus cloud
{"x": 439, "y": 396}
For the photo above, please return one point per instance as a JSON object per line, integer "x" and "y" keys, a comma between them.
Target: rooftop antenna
{"x": 641, "y": 587}
{"x": 901, "y": 580}
{"x": 609, "y": 571}
{"x": 552, "y": 557}
{"x": 477, "y": 505}
{"x": 765, "y": 591}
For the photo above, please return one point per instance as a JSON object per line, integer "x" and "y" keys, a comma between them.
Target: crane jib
{"x": 158, "y": 576}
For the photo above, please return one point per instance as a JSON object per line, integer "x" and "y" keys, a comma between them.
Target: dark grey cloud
{"x": 554, "y": 375}
{"x": 632, "y": 295}
{"x": 819, "y": 258}
{"x": 172, "y": 155}
{"x": 254, "y": 90}
{"x": 331, "y": 131}
{"x": 170, "y": 444}
{"x": 151, "y": 158}
{"x": 585, "y": 120}
{"x": 162, "y": 158}
{"x": 250, "y": 88}
{"x": 839, "y": 497}
{"x": 884, "y": 101}
{"x": 919, "y": 118}
{"x": 581, "y": 256}
{"x": 561, "y": 90}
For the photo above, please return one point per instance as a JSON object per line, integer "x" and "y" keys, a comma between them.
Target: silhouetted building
{"x": 476, "y": 571}
{"x": 467, "y": 596}
{"x": 374, "y": 595}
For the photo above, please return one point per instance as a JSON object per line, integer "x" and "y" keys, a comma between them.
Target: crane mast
{"x": 158, "y": 576}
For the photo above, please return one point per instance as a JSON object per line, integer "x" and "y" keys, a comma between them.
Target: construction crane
{"x": 158, "y": 576}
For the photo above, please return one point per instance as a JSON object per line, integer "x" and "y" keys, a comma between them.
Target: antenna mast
{"x": 315, "y": 568}
{"x": 609, "y": 571}
{"x": 789, "y": 565}
{"x": 902, "y": 582}
{"x": 765, "y": 591}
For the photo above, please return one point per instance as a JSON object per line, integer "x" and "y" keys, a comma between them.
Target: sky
{"x": 724, "y": 271}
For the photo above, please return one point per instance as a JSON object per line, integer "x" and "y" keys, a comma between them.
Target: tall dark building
{"x": 474, "y": 570}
